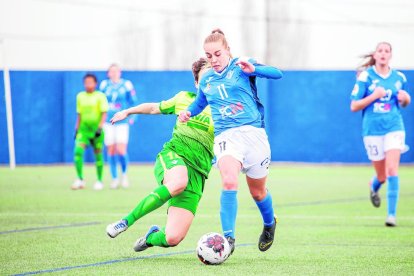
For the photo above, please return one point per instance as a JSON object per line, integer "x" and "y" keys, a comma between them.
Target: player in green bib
{"x": 91, "y": 107}
{"x": 181, "y": 169}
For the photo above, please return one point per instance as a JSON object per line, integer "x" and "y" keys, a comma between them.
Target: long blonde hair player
{"x": 380, "y": 93}
{"x": 240, "y": 143}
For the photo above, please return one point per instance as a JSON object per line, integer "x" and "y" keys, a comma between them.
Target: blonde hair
{"x": 369, "y": 58}
{"x": 217, "y": 35}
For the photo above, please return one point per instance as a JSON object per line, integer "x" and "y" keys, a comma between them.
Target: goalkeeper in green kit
{"x": 181, "y": 169}
{"x": 91, "y": 108}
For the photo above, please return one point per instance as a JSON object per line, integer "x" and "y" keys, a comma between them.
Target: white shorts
{"x": 377, "y": 146}
{"x": 247, "y": 144}
{"x": 116, "y": 134}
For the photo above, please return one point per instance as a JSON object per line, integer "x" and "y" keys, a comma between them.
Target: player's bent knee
{"x": 173, "y": 240}
{"x": 229, "y": 182}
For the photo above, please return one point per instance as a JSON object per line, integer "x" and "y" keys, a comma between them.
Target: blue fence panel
{"x": 307, "y": 115}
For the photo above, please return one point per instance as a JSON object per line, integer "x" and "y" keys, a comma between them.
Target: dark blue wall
{"x": 307, "y": 115}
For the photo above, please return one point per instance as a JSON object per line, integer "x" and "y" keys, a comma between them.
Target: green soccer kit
{"x": 90, "y": 107}
{"x": 191, "y": 145}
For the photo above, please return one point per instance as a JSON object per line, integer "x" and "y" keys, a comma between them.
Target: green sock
{"x": 79, "y": 161}
{"x": 158, "y": 239}
{"x": 99, "y": 161}
{"x": 151, "y": 202}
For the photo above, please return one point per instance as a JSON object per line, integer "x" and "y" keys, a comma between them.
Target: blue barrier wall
{"x": 307, "y": 115}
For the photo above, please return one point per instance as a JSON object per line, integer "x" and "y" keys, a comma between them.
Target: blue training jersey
{"x": 232, "y": 96}
{"x": 120, "y": 96}
{"x": 383, "y": 115}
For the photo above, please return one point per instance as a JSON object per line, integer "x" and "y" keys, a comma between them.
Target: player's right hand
{"x": 119, "y": 116}
{"x": 379, "y": 92}
{"x": 184, "y": 116}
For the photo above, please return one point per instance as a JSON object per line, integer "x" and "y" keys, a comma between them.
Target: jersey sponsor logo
{"x": 231, "y": 110}
{"x": 382, "y": 107}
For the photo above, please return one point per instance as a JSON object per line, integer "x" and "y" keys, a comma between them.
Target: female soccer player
{"x": 121, "y": 95}
{"x": 380, "y": 92}
{"x": 91, "y": 107}
{"x": 181, "y": 169}
{"x": 240, "y": 142}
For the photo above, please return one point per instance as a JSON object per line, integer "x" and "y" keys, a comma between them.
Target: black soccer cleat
{"x": 232, "y": 244}
{"x": 267, "y": 237}
{"x": 375, "y": 199}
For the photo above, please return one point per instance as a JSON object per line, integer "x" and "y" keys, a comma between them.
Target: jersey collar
{"x": 382, "y": 76}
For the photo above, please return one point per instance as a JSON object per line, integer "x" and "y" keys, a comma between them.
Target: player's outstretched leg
{"x": 151, "y": 202}
{"x": 375, "y": 185}
{"x": 78, "y": 159}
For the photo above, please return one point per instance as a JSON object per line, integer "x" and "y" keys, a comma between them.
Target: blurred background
{"x": 48, "y": 45}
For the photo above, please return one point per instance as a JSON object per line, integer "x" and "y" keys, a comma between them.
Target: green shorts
{"x": 191, "y": 196}
{"x": 86, "y": 136}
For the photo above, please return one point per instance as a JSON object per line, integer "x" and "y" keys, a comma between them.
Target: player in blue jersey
{"x": 121, "y": 95}
{"x": 380, "y": 92}
{"x": 240, "y": 142}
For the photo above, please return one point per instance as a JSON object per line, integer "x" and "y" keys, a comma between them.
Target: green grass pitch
{"x": 327, "y": 225}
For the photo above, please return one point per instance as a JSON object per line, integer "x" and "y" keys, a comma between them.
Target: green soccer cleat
{"x": 267, "y": 237}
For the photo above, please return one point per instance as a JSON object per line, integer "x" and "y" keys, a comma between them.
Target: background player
{"x": 91, "y": 107}
{"x": 380, "y": 92}
{"x": 181, "y": 169}
{"x": 240, "y": 143}
{"x": 121, "y": 95}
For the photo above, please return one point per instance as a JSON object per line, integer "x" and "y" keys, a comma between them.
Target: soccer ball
{"x": 213, "y": 249}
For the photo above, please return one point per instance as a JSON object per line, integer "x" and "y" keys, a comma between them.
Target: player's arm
{"x": 252, "y": 68}
{"x": 145, "y": 108}
{"x": 77, "y": 124}
{"x": 403, "y": 97}
{"x": 357, "y": 105}
{"x": 199, "y": 104}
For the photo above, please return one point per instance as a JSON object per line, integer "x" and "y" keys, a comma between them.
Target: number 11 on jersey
{"x": 222, "y": 90}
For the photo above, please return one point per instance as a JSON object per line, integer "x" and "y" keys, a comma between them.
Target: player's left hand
{"x": 246, "y": 66}
{"x": 119, "y": 116}
{"x": 403, "y": 97}
{"x": 98, "y": 132}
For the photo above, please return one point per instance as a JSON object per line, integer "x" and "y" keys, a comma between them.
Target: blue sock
{"x": 392, "y": 194}
{"x": 375, "y": 184}
{"x": 266, "y": 209}
{"x": 123, "y": 159}
{"x": 112, "y": 166}
{"x": 228, "y": 212}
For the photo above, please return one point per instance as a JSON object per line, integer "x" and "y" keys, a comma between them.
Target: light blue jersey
{"x": 120, "y": 96}
{"x": 383, "y": 115}
{"x": 232, "y": 95}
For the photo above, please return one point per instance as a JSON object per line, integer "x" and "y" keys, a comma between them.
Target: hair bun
{"x": 218, "y": 31}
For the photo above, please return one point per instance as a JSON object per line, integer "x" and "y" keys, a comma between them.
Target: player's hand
{"x": 184, "y": 116}
{"x": 119, "y": 116}
{"x": 98, "y": 132}
{"x": 403, "y": 97}
{"x": 379, "y": 92}
{"x": 246, "y": 66}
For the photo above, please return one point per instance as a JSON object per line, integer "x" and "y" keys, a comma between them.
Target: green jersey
{"x": 90, "y": 106}
{"x": 193, "y": 140}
